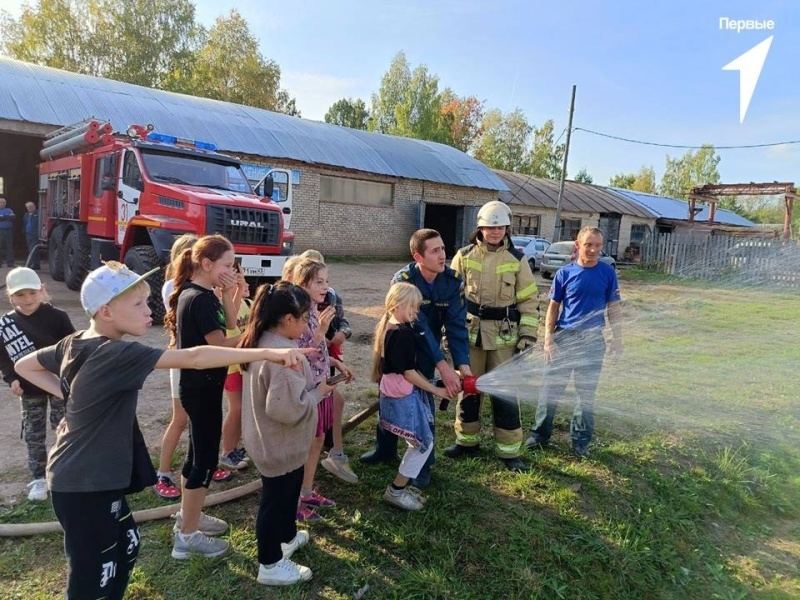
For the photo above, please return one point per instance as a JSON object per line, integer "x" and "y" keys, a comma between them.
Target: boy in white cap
{"x": 33, "y": 324}
{"x": 92, "y": 464}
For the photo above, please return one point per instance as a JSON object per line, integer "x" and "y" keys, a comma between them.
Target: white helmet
{"x": 494, "y": 214}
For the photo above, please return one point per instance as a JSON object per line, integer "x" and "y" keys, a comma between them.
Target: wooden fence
{"x": 735, "y": 259}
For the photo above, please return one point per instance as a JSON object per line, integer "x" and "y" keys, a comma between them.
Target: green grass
{"x": 693, "y": 490}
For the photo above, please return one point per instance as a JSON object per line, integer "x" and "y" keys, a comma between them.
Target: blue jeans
{"x": 581, "y": 355}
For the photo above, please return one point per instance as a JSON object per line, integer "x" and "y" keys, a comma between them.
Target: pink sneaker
{"x": 306, "y": 514}
{"x": 317, "y": 500}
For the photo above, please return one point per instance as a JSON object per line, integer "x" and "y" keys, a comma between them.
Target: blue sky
{"x": 647, "y": 71}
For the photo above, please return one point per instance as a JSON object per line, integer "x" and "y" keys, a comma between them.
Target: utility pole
{"x": 557, "y": 228}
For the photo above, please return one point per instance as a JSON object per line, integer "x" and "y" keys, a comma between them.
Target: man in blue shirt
{"x": 30, "y": 225}
{"x": 581, "y": 295}
{"x": 7, "y": 217}
{"x": 443, "y": 309}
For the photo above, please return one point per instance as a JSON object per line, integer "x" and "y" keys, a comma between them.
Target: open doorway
{"x": 447, "y": 220}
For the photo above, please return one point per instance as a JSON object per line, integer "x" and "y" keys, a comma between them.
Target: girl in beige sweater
{"x": 279, "y": 421}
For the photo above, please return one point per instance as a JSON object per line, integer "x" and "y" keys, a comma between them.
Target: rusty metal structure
{"x": 711, "y": 191}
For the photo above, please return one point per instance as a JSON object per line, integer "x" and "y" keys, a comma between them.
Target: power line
{"x": 644, "y": 143}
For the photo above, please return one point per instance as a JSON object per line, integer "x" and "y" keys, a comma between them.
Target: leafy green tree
{"x": 545, "y": 158}
{"x": 348, "y": 113}
{"x": 503, "y": 143}
{"x": 391, "y": 93}
{"x": 583, "y": 176}
{"x": 229, "y": 67}
{"x": 642, "y": 181}
{"x": 154, "y": 43}
{"x": 55, "y": 33}
{"x": 624, "y": 181}
{"x": 690, "y": 170}
{"x": 137, "y": 41}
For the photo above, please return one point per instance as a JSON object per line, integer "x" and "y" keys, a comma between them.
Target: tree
{"x": 503, "y": 143}
{"x": 56, "y": 34}
{"x": 642, "y": 181}
{"x": 348, "y": 113}
{"x": 390, "y": 95}
{"x": 154, "y": 43}
{"x": 229, "y": 67}
{"x": 462, "y": 119}
{"x": 138, "y": 41}
{"x": 624, "y": 181}
{"x": 545, "y": 158}
{"x": 583, "y": 176}
{"x": 690, "y": 170}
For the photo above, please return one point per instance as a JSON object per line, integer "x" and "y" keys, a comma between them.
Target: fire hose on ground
{"x": 164, "y": 512}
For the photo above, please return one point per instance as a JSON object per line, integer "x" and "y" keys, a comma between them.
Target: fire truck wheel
{"x": 76, "y": 258}
{"x": 55, "y": 254}
{"x": 141, "y": 259}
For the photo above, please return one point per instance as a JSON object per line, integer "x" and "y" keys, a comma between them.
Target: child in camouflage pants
{"x": 32, "y": 325}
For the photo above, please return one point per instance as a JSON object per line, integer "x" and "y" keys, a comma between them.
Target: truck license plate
{"x": 253, "y": 271}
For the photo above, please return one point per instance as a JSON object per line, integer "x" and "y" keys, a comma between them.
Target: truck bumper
{"x": 257, "y": 265}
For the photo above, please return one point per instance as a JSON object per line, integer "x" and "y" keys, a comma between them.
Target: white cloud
{"x": 316, "y": 92}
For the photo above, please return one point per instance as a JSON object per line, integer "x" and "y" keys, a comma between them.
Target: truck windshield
{"x": 190, "y": 170}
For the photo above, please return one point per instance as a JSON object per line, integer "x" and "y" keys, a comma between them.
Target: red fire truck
{"x": 126, "y": 197}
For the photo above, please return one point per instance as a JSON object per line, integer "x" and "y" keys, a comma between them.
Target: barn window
{"x": 354, "y": 191}
{"x": 525, "y": 225}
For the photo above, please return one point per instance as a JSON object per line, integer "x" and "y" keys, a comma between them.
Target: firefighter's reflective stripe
{"x": 467, "y": 439}
{"x": 527, "y": 291}
{"x": 508, "y": 267}
{"x": 475, "y": 265}
{"x": 510, "y": 450}
{"x": 529, "y": 321}
{"x": 499, "y": 341}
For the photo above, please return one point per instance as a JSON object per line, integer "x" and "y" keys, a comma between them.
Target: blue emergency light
{"x": 171, "y": 139}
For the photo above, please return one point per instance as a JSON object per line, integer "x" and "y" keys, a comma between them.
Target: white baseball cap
{"x": 22, "y": 278}
{"x": 106, "y": 283}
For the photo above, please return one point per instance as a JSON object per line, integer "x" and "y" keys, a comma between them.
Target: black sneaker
{"x": 457, "y": 451}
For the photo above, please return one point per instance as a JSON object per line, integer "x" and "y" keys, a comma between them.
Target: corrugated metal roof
{"x": 578, "y": 197}
{"x": 42, "y": 95}
{"x": 665, "y": 207}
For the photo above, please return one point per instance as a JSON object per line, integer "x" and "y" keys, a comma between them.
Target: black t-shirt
{"x": 93, "y": 451}
{"x": 23, "y": 335}
{"x": 199, "y": 313}
{"x": 399, "y": 350}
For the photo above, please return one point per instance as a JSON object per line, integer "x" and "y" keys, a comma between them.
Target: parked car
{"x": 560, "y": 254}
{"x": 532, "y": 247}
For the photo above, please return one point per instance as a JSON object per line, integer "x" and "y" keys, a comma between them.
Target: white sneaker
{"x": 209, "y": 525}
{"x": 199, "y": 544}
{"x": 340, "y": 467}
{"x": 300, "y": 539}
{"x": 283, "y": 572}
{"x": 38, "y": 489}
{"x": 402, "y": 499}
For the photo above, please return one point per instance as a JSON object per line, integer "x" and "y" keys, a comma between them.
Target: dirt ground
{"x": 362, "y": 286}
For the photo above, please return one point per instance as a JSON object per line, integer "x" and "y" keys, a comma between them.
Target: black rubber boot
{"x": 457, "y": 451}
{"x": 516, "y": 464}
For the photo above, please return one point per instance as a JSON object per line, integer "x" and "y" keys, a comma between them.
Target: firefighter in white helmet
{"x": 502, "y": 319}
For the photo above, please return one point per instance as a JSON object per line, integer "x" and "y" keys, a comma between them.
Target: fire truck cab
{"x": 127, "y": 197}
